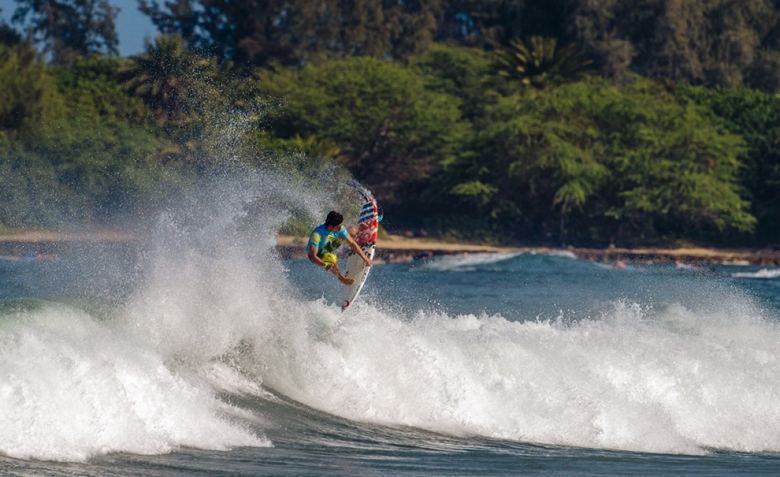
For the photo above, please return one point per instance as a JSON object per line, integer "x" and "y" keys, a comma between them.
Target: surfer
{"x": 326, "y": 238}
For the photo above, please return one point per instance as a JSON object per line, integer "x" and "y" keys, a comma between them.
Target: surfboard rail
{"x": 366, "y": 240}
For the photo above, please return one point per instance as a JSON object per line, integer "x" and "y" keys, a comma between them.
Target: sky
{"x": 132, "y": 26}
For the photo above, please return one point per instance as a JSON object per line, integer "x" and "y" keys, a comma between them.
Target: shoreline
{"x": 398, "y": 249}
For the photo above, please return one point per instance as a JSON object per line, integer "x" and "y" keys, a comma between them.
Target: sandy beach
{"x": 43, "y": 236}
{"x": 398, "y": 248}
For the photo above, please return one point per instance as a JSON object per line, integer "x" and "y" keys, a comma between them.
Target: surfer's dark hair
{"x": 334, "y": 218}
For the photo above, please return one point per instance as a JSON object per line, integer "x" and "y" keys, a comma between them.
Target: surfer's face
{"x": 334, "y": 228}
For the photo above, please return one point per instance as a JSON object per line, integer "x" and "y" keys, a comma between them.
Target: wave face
{"x": 214, "y": 313}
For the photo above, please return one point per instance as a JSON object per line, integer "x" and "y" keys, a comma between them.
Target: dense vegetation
{"x": 525, "y": 121}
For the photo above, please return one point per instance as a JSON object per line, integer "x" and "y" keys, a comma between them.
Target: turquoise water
{"x": 202, "y": 352}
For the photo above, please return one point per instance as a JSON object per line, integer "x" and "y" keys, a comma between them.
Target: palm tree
{"x": 541, "y": 62}
{"x": 317, "y": 148}
{"x": 169, "y": 79}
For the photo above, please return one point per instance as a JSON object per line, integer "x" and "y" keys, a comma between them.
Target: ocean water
{"x": 202, "y": 352}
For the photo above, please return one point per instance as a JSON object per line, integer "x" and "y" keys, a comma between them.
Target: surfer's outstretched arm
{"x": 356, "y": 248}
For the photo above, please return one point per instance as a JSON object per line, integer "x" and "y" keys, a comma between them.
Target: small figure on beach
{"x": 621, "y": 265}
{"x": 686, "y": 266}
{"x": 326, "y": 238}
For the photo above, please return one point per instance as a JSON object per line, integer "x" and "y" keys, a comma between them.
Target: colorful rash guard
{"x": 326, "y": 242}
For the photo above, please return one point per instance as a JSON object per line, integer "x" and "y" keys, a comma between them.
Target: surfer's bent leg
{"x": 346, "y": 281}
{"x": 331, "y": 264}
{"x": 329, "y": 259}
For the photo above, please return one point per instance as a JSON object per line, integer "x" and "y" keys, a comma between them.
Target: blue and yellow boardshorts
{"x": 329, "y": 258}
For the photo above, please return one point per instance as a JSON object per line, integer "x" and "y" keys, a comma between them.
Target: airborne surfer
{"x": 326, "y": 238}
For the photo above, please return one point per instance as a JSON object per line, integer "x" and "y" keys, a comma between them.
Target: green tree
{"x": 541, "y": 62}
{"x": 755, "y": 116}
{"x": 711, "y": 42}
{"x": 28, "y": 95}
{"x": 31, "y": 195}
{"x": 71, "y": 27}
{"x": 679, "y": 169}
{"x": 8, "y": 35}
{"x": 170, "y": 80}
{"x": 465, "y": 73}
{"x": 293, "y": 32}
{"x": 391, "y": 129}
{"x": 90, "y": 88}
{"x": 493, "y": 23}
{"x": 109, "y": 167}
{"x": 586, "y": 162}
{"x": 82, "y": 172}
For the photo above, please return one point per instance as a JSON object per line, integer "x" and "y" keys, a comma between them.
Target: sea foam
{"x": 72, "y": 388}
{"x": 675, "y": 381}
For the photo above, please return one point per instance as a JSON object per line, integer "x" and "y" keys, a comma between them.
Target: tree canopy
{"x": 539, "y": 121}
{"x": 292, "y": 32}
{"x": 542, "y": 62}
{"x": 710, "y": 42}
{"x": 391, "y": 130}
{"x": 70, "y": 27}
{"x": 590, "y": 162}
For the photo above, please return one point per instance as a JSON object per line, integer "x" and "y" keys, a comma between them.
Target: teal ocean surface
{"x": 202, "y": 352}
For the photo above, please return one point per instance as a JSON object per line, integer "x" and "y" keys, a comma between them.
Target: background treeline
{"x": 528, "y": 121}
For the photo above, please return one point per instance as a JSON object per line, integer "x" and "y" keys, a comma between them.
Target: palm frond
{"x": 540, "y": 62}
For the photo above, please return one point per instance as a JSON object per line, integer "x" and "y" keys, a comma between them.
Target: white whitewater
{"x": 464, "y": 262}
{"x": 764, "y": 273}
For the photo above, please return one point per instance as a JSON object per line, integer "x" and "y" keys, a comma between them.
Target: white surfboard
{"x": 366, "y": 240}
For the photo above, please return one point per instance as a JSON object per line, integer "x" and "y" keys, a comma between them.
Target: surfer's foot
{"x": 346, "y": 281}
